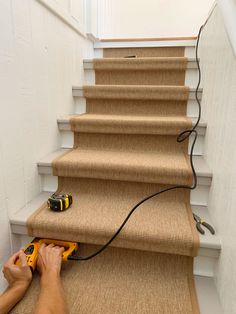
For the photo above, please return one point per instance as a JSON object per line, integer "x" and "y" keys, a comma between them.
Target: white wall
{"x": 228, "y": 9}
{"x": 40, "y": 59}
{"x": 219, "y": 110}
{"x": 151, "y": 18}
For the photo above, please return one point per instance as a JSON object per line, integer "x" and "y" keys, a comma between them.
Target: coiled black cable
{"x": 181, "y": 137}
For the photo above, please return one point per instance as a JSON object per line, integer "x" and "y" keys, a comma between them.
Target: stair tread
{"x": 143, "y": 91}
{"x": 18, "y": 221}
{"x": 66, "y": 118}
{"x": 129, "y": 124}
{"x": 201, "y": 166}
{"x": 127, "y": 118}
{"x": 99, "y": 208}
{"x": 64, "y": 122}
{"x": 140, "y": 166}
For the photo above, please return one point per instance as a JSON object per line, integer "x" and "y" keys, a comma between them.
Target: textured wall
{"x": 219, "y": 110}
{"x": 40, "y": 60}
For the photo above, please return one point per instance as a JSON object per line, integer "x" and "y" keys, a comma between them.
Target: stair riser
{"x": 189, "y": 52}
{"x": 80, "y": 106}
{"x": 199, "y": 196}
{"x": 67, "y": 140}
{"x": 191, "y": 77}
{"x": 205, "y": 266}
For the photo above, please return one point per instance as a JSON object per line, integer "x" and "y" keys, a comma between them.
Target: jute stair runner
{"x": 124, "y": 149}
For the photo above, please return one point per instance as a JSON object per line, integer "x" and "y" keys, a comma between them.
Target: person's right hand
{"x": 49, "y": 259}
{"x": 21, "y": 275}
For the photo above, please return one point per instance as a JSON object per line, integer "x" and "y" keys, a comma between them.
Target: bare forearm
{"x": 11, "y": 297}
{"x": 51, "y": 298}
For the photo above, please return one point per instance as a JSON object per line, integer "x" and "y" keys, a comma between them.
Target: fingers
{"x": 50, "y": 246}
{"x": 61, "y": 250}
{"x": 42, "y": 247}
{"x": 23, "y": 260}
{"x": 13, "y": 258}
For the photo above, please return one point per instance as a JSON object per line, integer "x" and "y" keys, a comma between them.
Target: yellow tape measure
{"x": 59, "y": 202}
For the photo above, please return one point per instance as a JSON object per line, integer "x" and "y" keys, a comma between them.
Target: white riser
{"x": 192, "y": 106}
{"x": 67, "y": 141}
{"x": 205, "y": 266}
{"x": 189, "y": 52}
{"x": 200, "y": 195}
{"x": 145, "y": 43}
{"x": 191, "y": 77}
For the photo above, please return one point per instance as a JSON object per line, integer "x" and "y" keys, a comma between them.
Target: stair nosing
{"x": 77, "y": 91}
{"x": 64, "y": 124}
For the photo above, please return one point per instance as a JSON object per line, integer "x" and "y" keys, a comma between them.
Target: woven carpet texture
{"x": 124, "y": 281}
{"x": 124, "y": 149}
{"x": 140, "y": 71}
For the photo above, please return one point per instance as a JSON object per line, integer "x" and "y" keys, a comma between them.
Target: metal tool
{"x": 200, "y": 223}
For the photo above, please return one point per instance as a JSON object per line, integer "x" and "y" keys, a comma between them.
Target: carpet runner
{"x": 125, "y": 149}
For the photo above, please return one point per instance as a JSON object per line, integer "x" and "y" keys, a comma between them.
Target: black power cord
{"x": 181, "y": 137}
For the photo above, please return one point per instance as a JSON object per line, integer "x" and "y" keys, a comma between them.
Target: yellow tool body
{"x": 31, "y": 250}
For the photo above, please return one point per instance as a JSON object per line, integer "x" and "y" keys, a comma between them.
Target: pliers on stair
{"x": 200, "y": 223}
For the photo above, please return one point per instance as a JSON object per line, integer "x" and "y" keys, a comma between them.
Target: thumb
{"x": 23, "y": 260}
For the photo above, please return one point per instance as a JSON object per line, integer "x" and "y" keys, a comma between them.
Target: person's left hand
{"x": 19, "y": 276}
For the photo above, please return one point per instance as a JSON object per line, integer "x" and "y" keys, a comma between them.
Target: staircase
{"x": 108, "y": 132}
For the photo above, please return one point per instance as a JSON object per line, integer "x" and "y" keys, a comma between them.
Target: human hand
{"x": 49, "y": 259}
{"x": 17, "y": 275}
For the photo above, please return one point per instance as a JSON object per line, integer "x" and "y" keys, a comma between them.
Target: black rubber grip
{"x": 209, "y": 227}
{"x": 199, "y": 228}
